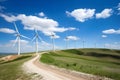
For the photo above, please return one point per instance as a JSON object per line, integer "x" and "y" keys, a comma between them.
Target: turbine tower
{"x": 17, "y": 40}
{"x": 36, "y": 37}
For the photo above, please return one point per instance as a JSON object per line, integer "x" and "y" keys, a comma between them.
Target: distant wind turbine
{"x": 95, "y": 45}
{"x": 83, "y": 43}
{"x": 36, "y": 37}
{"x": 66, "y": 39}
{"x": 17, "y": 40}
{"x": 75, "y": 44}
{"x": 104, "y": 45}
{"x": 53, "y": 41}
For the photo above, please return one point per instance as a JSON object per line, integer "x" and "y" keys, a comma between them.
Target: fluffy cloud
{"x": 41, "y": 14}
{"x": 118, "y": 8}
{"x": 104, "y": 36}
{"x": 9, "y": 18}
{"x": 111, "y": 31}
{"x": 81, "y": 15}
{"x": 71, "y": 28}
{"x": 7, "y": 30}
{"x": 72, "y": 38}
{"x": 30, "y": 22}
{"x": 104, "y": 14}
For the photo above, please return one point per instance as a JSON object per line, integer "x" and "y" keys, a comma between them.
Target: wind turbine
{"x": 66, "y": 39}
{"x": 83, "y": 43}
{"x": 104, "y": 45}
{"x": 53, "y": 41}
{"x": 95, "y": 45}
{"x": 17, "y": 40}
{"x": 75, "y": 44}
{"x": 36, "y": 37}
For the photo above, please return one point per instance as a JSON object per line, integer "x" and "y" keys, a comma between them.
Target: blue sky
{"x": 95, "y": 22}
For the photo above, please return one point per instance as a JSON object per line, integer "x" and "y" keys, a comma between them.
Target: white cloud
{"x": 30, "y": 22}
{"x": 7, "y": 30}
{"x": 118, "y": 8}
{"x": 104, "y": 14}
{"x": 104, "y": 36}
{"x": 81, "y": 15}
{"x": 41, "y": 14}
{"x": 111, "y": 31}
{"x": 72, "y": 38}
{"x": 71, "y": 28}
{"x": 9, "y": 18}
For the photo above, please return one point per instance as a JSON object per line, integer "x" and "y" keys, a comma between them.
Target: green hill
{"x": 11, "y": 70}
{"x": 103, "y": 62}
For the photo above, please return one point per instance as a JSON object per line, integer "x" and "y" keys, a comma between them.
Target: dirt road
{"x": 34, "y": 66}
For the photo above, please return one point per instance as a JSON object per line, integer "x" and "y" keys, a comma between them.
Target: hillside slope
{"x": 102, "y": 62}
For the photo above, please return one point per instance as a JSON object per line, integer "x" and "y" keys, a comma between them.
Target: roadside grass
{"x": 11, "y": 70}
{"x": 85, "y": 60}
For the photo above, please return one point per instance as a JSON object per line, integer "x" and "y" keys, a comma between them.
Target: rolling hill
{"x": 101, "y": 62}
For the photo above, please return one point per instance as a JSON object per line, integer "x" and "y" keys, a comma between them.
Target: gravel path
{"x": 48, "y": 72}
{"x": 34, "y": 66}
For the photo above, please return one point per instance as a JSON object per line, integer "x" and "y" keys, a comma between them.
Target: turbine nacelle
{"x": 16, "y": 34}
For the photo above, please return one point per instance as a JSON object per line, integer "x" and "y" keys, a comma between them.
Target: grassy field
{"x": 11, "y": 70}
{"x": 103, "y": 62}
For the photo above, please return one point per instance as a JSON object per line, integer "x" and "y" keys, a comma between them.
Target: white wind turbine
{"x": 83, "y": 43}
{"x": 75, "y": 44}
{"x": 53, "y": 41}
{"x": 17, "y": 40}
{"x": 95, "y": 45}
{"x": 66, "y": 39}
{"x": 36, "y": 37}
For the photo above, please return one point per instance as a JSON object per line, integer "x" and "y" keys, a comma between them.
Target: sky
{"x": 92, "y": 23}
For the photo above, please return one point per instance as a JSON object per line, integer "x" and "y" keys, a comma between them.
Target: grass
{"x": 10, "y": 70}
{"x": 103, "y": 62}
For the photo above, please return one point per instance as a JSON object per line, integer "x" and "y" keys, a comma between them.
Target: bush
{"x": 102, "y": 55}
{"x": 75, "y": 51}
{"x": 74, "y": 64}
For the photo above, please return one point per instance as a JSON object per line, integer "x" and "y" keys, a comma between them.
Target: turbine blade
{"x": 24, "y": 36}
{"x": 16, "y": 27}
{"x": 15, "y": 41}
{"x": 40, "y": 38}
{"x": 33, "y": 39}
